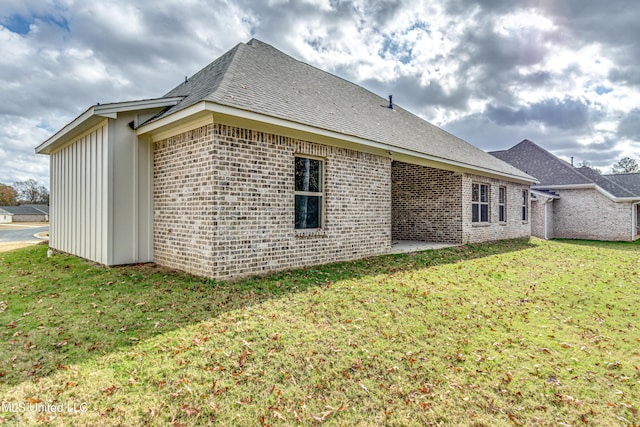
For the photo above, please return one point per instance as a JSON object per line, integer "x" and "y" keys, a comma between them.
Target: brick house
{"x": 24, "y": 213}
{"x": 577, "y": 203}
{"x": 260, "y": 162}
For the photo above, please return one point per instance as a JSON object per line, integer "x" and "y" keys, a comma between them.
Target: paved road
{"x": 21, "y": 234}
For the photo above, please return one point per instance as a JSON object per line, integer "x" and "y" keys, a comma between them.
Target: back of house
{"x": 577, "y": 202}
{"x": 260, "y": 162}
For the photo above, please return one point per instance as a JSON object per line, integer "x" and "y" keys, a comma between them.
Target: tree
{"x": 30, "y": 191}
{"x": 625, "y": 165}
{"x": 587, "y": 164}
{"x": 8, "y": 195}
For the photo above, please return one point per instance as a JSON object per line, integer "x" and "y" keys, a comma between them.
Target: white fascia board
{"x": 588, "y": 186}
{"x": 274, "y": 121}
{"x": 169, "y": 120}
{"x": 107, "y": 110}
{"x": 543, "y": 194}
{"x": 96, "y": 113}
{"x": 82, "y": 119}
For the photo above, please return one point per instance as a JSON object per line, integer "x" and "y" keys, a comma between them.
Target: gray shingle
{"x": 257, "y": 77}
{"x": 538, "y": 162}
{"x": 26, "y": 209}
{"x": 551, "y": 170}
{"x": 630, "y": 181}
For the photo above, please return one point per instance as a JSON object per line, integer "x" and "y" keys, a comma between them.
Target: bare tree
{"x": 30, "y": 191}
{"x": 587, "y": 164}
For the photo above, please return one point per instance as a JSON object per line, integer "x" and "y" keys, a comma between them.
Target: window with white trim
{"x": 308, "y": 193}
{"x": 525, "y": 205}
{"x": 479, "y": 203}
{"x": 502, "y": 204}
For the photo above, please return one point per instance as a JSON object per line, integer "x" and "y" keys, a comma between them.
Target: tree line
{"x": 23, "y": 192}
{"x": 624, "y": 165}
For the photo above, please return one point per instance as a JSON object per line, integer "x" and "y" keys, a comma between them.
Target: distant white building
{"x": 5, "y": 217}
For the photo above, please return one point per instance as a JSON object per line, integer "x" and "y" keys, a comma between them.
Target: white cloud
{"x": 562, "y": 74}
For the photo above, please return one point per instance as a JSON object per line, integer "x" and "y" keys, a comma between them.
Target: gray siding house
{"x": 260, "y": 162}
{"x": 577, "y": 203}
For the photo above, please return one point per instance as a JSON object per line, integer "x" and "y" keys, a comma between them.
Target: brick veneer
{"x": 435, "y": 205}
{"x": 537, "y": 218}
{"x": 512, "y": 228}
{"x": 224, "y": 203}
{"x": 426, "y": 204}
{"x": 588, "y": 214}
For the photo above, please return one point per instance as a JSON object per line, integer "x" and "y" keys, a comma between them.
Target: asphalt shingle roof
{"x": 257, "y": 77}
{"x": 630, "y": 181}
{"x": 551, "y": 170}
{"x": 27, "y": 209}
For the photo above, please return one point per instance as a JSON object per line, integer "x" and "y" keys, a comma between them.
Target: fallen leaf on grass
{"x": 190, "y": 411}
{"x": 322, "y": 417}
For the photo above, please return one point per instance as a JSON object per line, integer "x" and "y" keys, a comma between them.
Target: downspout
{"x": 545, "y": 219}
{"x": 634, "y": 220}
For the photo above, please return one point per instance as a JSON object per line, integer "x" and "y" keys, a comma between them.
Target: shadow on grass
{"x": 60, "y": 311}
{"x": 621, "y": 246}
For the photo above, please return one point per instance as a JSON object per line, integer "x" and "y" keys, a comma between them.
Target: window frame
{"x": 525, "y": 205}
{"x": 320, "y": 194}
{"x": 480, "y": 203}
{"x": 502, "y": 203}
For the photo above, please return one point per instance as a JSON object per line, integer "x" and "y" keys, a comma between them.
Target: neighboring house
{"x": 260, "y": 162}
{"x": 577, "y": 203}
{"x": 26, "y": 213}
{"x": 5, "y": 216}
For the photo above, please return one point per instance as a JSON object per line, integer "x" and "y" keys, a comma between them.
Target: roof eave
{"x": 213, "y": 107}
{"x": 588, "y": 186}
{"x": 95, "y": 113}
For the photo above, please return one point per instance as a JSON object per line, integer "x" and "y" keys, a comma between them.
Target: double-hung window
{"x": 308, "y": 192}
{"x": 525, "y": 205}
{"x": 502, "y": 204}
{"x": 480, "y": 203}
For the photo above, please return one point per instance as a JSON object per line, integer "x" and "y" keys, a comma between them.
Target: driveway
{"x": 17, "y": 235}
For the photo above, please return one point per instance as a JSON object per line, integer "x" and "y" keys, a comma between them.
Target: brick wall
{"x": 512, "y": 228}
{"x": 224, "y": 203}
{"x": 588, "y": 214}
{"x": 426, "y": 204}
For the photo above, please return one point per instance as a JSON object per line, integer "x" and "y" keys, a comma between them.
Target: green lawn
{"x": 511, "y": 333}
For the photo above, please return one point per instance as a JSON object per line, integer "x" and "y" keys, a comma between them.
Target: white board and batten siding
{"x": 79, "y": 197}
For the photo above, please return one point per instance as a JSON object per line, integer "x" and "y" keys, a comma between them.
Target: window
{"x": 480, "y": 203}
{"x": 502, "y": 204}
{"x": 308, "y": 193}
{"x": 525, "y": 205}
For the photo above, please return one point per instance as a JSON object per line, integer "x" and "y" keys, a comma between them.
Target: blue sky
{"x": 564, "y": 74}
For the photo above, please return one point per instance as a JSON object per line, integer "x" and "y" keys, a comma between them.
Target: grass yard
{"x": 511, "y": 333}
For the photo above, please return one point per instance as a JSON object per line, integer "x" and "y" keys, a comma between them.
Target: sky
{"x": 562, "y": 73}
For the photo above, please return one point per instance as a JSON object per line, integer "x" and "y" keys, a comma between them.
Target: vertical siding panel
{"x": 78, "y": 196}
{"x": 52, "y": 199}
{"x": 81, "y": 213}
{"x": 99, "y": 206}
{"x": 66, "y": 202}
{"x": 92, "y": 194}
{"x": 85, "y": 197}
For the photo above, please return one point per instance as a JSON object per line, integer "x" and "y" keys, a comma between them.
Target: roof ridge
{"x": 564, "y": 162}
{"x": 230, "y": 71}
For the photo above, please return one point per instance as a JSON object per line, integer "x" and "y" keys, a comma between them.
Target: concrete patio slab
{"x": 405, "y": 246}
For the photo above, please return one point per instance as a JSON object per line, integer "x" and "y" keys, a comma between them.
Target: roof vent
{"x": 391, "y": 101}
{"x": 186, "y": 79}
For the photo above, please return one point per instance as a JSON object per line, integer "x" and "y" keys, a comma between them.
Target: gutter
{"x": 95, "y": 113}
{"x": 634, "y": 220}
{"x": 587, "y": 186}
{"x": 301, "y": 127}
